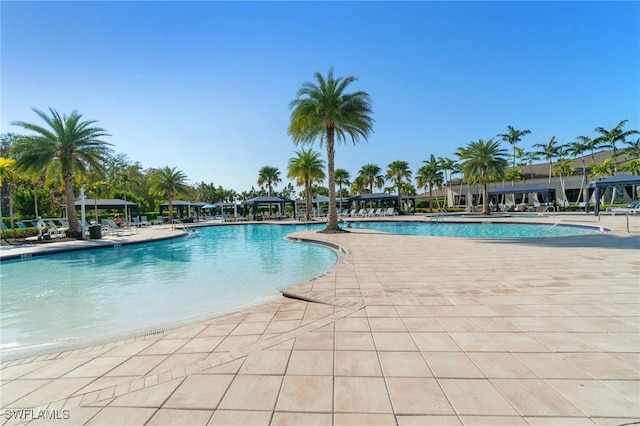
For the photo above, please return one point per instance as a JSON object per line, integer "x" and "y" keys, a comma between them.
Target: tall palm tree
{"x": 169, "y": 183}
{"x": 269, "y": 176}
{"x": 564, "y": 168}
{"x": 577, "y": 148}
{"x": 481, "y": 162}
{"x": 307, "y": 167}
{"x": 446, "y": 165}
{"x": 610, "y": 137}
{"x": 429, "y": 175}
{"x": 397, "y": 172}
{"x": 70, "y": 143}
{"x": 513, "y": 136}
{"x": 323, "y": 110}
{"x": 549, "y": 150}
{"x": 342, "y": 178}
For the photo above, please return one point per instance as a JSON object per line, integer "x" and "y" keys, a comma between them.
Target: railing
{"x": 179, "y": 222}
{"x": 554, "y": 225}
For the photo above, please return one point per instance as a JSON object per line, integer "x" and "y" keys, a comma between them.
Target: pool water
{"x": 78, "y": 296}
{"x": 476, "y": 229}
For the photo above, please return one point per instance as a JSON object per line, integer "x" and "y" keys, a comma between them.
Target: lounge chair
{"x": 390, "y": 212}
{"x": 111, "y": 228}
{"x": 54, "y": 231}
{"x": 632, "y": 208}
{"x": 361, "y": 213}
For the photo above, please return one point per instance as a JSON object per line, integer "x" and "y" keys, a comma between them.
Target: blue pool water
{"x": 476, "y": 229}
{"x": 70, "y": 297}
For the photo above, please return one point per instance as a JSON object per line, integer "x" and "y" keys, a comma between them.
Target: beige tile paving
{"x": 491, "y": 338}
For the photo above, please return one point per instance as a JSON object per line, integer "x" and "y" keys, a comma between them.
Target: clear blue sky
{"x": 206, "y": 86}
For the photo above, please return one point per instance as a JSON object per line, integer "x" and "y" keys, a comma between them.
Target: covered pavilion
{"x": 619, "y": 180}
{"x": 380, "y": 197}
{"x": 266, "y": 200}
{"x": 548, "y": 194}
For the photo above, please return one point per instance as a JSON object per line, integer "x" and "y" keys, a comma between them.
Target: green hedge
{"x": 19, "y": 232}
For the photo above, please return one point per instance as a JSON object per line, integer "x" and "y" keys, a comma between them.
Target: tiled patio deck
{"x": 410, "y": 331}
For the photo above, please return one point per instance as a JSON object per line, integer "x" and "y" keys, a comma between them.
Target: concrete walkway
{"x": 406, "y": 330}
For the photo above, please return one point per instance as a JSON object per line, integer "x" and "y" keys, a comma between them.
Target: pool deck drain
{"x": 409, "y": 330}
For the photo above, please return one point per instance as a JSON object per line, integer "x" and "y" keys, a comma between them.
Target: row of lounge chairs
{"x": 374, "y": 212}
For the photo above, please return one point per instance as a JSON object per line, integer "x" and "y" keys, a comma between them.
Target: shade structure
{"x": 109, "y": 203}
{"x": 182, "y": 205}
{"x": 262, "y": 200}
{"x": 548, "y": 194}
{"x": 614, "y": 181}
{"x": 382, "y": 196}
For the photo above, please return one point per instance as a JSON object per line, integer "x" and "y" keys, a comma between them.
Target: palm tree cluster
{"x": 67, "y": 153}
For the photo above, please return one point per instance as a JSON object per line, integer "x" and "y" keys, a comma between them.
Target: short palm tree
{"x": 398, "y": 172}
{"x": 370, "y": 176}
{"x": 169, "y": 183}
{"x": 549, "y": 150}
{"x": 481, "y": 162}
{"x": 610, "y": 137}
{"x": 68, "y": 143}
{"x": 269, "y": 176}
{"x": 323, "y": 111}
{"x": 513, "y": 136}
{"x": 514, "y": 174}
{"x": 307, "y": 167}
{"x": 342, "y": 178}
{"x": 429, "y": 176}
{"x": 633, "y": 149}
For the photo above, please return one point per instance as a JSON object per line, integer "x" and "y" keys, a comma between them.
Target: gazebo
{"x": 108, "y": 204}
{"x": 613, "y": 181}
{"x": 262, "y": 200}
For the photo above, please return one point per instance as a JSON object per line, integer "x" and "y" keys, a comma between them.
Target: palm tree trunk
{"x": 307, "y": 199}
{"x": 70, "y": 200}
{"x": 399, "y": 195}
{"x": 485, "y": 195}
{"x": 430, "y": 199}
{"x": 550, "y": 171}
{"x": 332, "y": 222}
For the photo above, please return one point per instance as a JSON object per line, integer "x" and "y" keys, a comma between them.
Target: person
{"x": 119, "y": 221}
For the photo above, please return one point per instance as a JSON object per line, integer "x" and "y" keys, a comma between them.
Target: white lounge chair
{"x": 361, "y": 213}
{"x": 54, "y": 231}
{"x": 390, "y": 212}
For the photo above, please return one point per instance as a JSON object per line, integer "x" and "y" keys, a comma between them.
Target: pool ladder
{"x": 184, "y": 225}
{"x": 438, "y": 216}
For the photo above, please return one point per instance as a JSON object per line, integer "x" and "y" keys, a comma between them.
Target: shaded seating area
{"x": 186, "y": 209}
{"x": 389, "y": 200}
{"x": 547, "y": 194}
{"x": 253, "y": 203}
{"x": 128, "y": 208}
{"x": 616, "y": 181}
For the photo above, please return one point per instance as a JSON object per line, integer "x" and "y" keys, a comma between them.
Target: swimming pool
{"x": 476, "y": 229}
{"x": 61, "y": 299}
